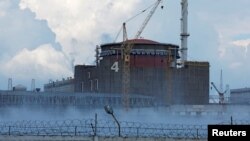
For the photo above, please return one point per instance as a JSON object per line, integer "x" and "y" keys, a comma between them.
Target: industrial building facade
{"x": 146, "y": 68}
{"x": 240, "y": 96}
{"x": 64, "y": 85}
{"x": 153, "y": 73}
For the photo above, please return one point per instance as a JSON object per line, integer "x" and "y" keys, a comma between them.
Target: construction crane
{"x": 126, "y": 48}
{"x": 221, "y": 94}
{"x": 147, "y": 19}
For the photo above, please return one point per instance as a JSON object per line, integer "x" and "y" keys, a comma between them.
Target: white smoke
{"x": 43, "y": 63}
{"x": 162, "y": 115}
{"x": 80, "y": 25}
{"x": 75, "y": 28}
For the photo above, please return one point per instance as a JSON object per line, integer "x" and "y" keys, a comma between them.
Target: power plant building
{"x": 153, "y": 72}
{"x": 240, "y": 96}
{"x": 146, "y": 68}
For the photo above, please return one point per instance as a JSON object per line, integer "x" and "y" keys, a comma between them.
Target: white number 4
{"x": 115, "y": 67}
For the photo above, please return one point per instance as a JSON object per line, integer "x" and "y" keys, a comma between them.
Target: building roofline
{"x": 141, "y": 41}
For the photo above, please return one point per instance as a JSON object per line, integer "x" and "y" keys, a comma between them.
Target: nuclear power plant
{"x": 153, "y": 72}
{"x": 137, "y": 89}
{"x": 143, "y": 67}
{"x": 134, "y": 72}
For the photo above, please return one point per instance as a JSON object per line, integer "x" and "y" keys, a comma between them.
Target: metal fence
{"x": 103, "y": 128}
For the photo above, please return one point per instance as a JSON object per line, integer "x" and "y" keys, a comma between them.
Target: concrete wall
{"x": 188, "y": 85}
{"x": 67, "y": 138}
{"x": 240, "y": 96}
{"x": 54, "y": 100}
{"x": 85, "y": 78}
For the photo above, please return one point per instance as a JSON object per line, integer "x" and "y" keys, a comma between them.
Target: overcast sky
{"x": 43, "y": 39}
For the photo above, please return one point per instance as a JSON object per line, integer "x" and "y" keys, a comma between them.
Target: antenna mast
{"x": 221, "y": 81}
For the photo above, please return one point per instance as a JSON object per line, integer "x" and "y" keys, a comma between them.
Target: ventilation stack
{"x": 184, "y": 31}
